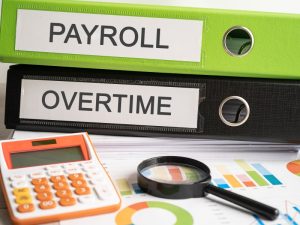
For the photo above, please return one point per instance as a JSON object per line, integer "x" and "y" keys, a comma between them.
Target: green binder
{"x": 255, "y": 38}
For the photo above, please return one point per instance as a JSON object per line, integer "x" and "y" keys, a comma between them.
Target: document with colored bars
{"x": 267, "y": 172}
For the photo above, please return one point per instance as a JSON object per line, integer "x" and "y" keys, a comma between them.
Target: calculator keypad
{"x": 58, "y": 186}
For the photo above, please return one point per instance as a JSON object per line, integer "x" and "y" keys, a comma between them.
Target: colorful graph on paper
{"x": 127, "y": 188}
{"x": 172, "y": 173}
{"x": 239, "y": 174}
{"x": 173, "y": 214}
{"x": 294, "y": 167}
{"x": 244, "y": 174}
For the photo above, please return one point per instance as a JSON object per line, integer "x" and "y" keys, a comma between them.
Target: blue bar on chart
{"x": 290, "y": 219}
{"x": 296, "y": 209}
{"x": 258, "y": 220}
{"x": 137, "y": 189}
{"x": 269, "y": 177}
{"x": 221, "y": 183}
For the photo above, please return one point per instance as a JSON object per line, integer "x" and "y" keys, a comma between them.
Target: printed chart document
{"x": 272, "y": 180}
{"x": 270, "y": 174}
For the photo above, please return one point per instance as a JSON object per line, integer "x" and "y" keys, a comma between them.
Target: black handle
{"x": 257, "y": 207}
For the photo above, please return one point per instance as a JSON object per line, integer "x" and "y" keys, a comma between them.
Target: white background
{"x": 3, "y": 70}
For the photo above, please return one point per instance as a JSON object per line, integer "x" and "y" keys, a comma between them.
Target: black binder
{"x": 149, "y": 104}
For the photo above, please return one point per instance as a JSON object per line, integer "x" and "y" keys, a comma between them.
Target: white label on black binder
{"x": 109, "y": 103}
{"x": 109, "y": 35}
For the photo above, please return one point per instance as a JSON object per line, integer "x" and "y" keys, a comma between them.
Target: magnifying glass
{"x": 177, "y": 177}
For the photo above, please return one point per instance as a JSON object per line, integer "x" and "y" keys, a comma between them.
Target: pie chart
{"x": 153, "y": 208}
{"x": 294, "y": 167}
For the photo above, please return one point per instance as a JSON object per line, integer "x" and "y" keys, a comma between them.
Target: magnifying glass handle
{"x": 257, "y": 207}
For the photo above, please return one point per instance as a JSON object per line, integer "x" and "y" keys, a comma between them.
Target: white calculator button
{"x": 97, "y": 180}
{"x": 19, "y": 184}
{"x": 90, "y": 167}
{"x": 70, "y": 166}
{"x": 87, "y": 163}
{"x": 17, "y": 178}
{"x": 102, "y": 192}
{"x": 86, "y": 199}
{"x": 94, "y": 174}
{"x": 55, "y": 172}
{"x": 95, "y": 171}
{"x": 37, "y": 175}
{"x": 53, "y": 167}
{"x": 73, "y": 170}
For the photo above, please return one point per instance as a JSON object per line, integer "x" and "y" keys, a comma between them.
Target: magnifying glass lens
{"x": 174, "y": 173}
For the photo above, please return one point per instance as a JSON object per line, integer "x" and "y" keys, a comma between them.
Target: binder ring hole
{"x": 234, "y": 111}
{"x": 238, "y": 41}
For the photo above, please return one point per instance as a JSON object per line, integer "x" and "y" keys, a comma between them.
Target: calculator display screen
{"x": 45, "y": 157}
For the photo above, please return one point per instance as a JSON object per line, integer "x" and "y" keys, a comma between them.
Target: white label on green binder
{"x": 109, "y": 35}
{"x": 109, "y": 103}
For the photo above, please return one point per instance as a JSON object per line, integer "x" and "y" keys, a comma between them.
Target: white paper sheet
{"x": 211, "y": 210}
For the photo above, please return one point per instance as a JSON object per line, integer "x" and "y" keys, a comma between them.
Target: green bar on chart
{"x": 123, "y": 187}
{"x": 190, "y": 174}
{"x": 252, "y": 173}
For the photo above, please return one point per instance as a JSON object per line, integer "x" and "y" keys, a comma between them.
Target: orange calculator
{"x": 54, "y": 178}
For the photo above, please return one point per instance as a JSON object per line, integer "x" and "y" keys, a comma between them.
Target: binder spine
{"x": 70, "y": 76}
{"x": 196, "y": 46}
{"x": 228, "y": 108}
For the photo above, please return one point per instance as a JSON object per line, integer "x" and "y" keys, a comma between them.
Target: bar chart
{"x": 235, "y": 174}
{"x": 126, "y": 188}
{"x": 245, "y": 175}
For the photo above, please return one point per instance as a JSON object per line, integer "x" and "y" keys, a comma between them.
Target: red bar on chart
{"x": 175, "y": 173}
{"x": 246, "y": 180}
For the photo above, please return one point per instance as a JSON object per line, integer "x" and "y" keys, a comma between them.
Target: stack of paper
{"x": 143, "y": 144}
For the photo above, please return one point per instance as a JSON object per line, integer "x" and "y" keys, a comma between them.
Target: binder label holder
{"x": 109, "y": 35}
{"x": 109, "y": 103}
